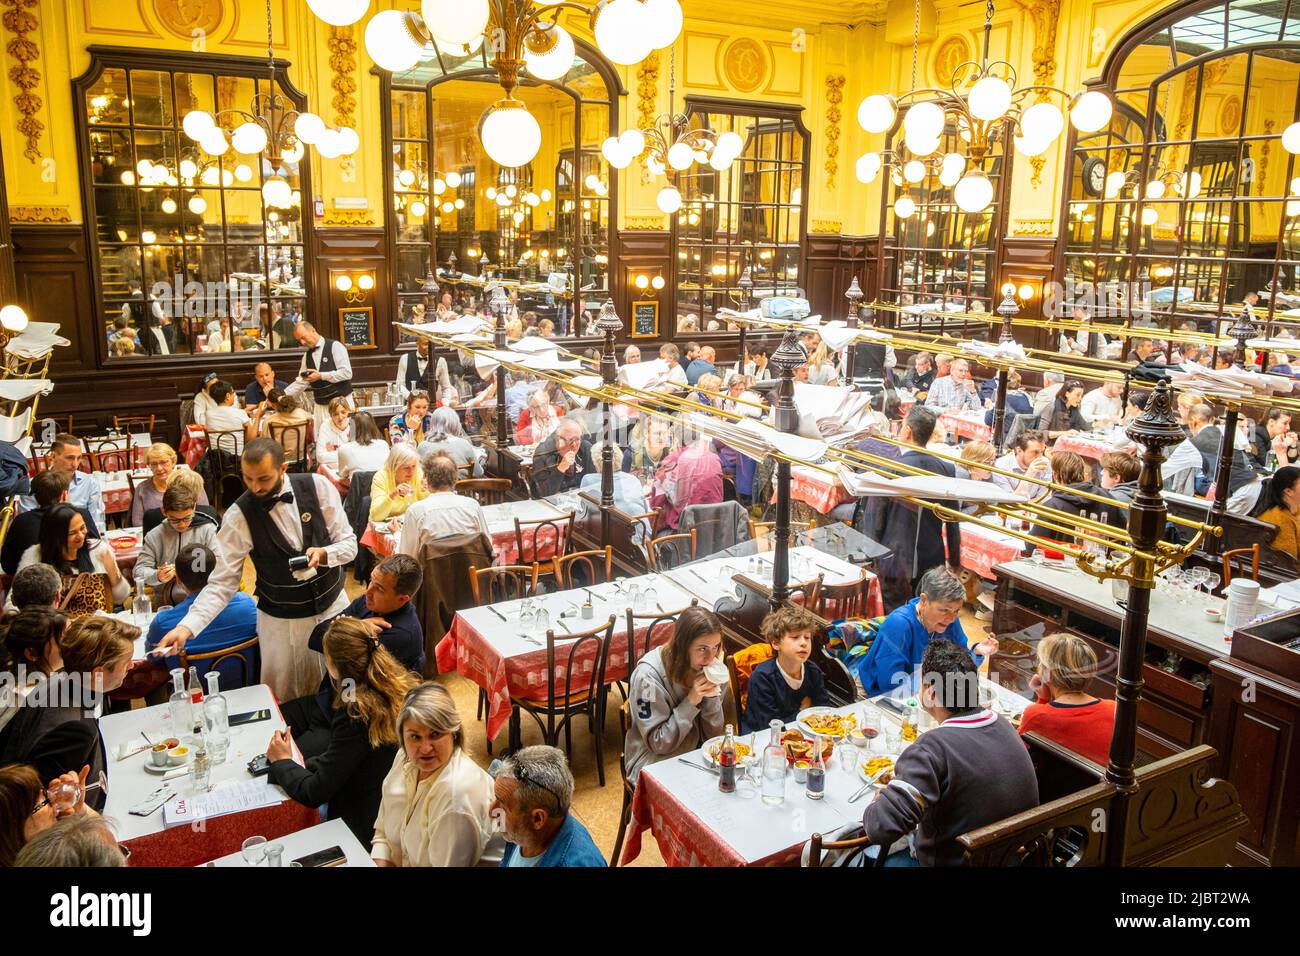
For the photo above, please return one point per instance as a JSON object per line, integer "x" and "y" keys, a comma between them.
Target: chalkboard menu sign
{"x": 645, "y": 320}
{"x": 357, "y": 327}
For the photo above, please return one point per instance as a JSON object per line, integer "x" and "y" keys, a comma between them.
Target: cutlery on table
{"x": 869, "y": 784}
{"x": 497, "y": 613}
{"x": 698, "y": 766}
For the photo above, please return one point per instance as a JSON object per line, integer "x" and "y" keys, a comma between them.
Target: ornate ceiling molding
{"x": 20, "y": 20}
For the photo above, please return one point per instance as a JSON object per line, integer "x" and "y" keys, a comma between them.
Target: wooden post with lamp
{"x": 609, "y": 325}
{"x": 746, "y": 285}
{"x": 854, "y": 296}
{"x": 785, "y": 417}
{"x": 1008, "y": 309}
{"x": 500, "y": 303}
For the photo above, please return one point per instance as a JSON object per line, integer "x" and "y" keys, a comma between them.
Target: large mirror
{"x": 750, "y": 215}
{"x": 543, "y": 228}
{"x": 189, "y": 256}
{"x": 1185, "y": 209}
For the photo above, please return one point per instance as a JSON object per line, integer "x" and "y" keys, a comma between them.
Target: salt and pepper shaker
{"x": 275, "y": 855}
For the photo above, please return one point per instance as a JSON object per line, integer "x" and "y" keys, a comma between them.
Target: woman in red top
{"x": 1064, "y": 713}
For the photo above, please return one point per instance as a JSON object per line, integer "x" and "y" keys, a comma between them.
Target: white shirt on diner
{"x": 444, "y": 820}
{"x": 225, "y": 418}
{"x": 203, "y": 403}
{"x": 328, "y": 443}
{"x": 357, "y": 457}
{"x": 442, "y": 514}
{"x": 235, "y": 541}
{"x": 1097, "y": 404}
{"x": 342, "y": 367}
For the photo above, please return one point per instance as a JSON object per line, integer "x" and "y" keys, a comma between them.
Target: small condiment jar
{"x": 801, "y": 771}
{"x": 587, "y": 611}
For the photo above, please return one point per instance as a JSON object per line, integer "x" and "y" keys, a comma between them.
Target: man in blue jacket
{"x": 896, "y": 652}
{"x": 534, "y": 791}
{"x": 236, "y": 623}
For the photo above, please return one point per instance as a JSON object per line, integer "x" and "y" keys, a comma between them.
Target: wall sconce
{"x": 646, "y": 285}
{"x": 1024, "y": 292}
{"x": 13, "y": 320}
{"x": 354, "y": 286}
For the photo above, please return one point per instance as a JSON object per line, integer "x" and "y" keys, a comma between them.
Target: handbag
{"x": 85, "y": 594}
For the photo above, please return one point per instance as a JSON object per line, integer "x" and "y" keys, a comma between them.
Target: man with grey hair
{"x": 443, "y": 513}
{"x": 955, "y": 391}
{"x": 1052, "y": 382}
{"x": 37, "y": 585}
{"x": 82, "y": 839}
{"x": 532, "y": 794}
{"x": 562, "y": 459}
{"x": 631, "y": 355}
{"x": 907, "y": 631}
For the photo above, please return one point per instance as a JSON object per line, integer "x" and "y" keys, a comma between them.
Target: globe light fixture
{"x": 973, "y": 192}
{"x": 669, "y": 200}
{"x": 339, "y": 13}
{"x": 510, "y": 134}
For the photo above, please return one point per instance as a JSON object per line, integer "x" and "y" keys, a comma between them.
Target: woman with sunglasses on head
{"x": 65, "y": 546}
{"x": 674, "y": 706}
{"x": 25, "y": 807}
{"x": 436, "y": 808}
{"x": 369, "y": 686}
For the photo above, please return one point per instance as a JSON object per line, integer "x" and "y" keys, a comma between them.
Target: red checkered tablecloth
{"x": 194, "y": 445}
{"x": 817, "y": 489}
{"x": 193, "y": 846}
{"x": 982, "y": 548}
{"x": 501, "y": 529}
{"x": 1084, "y": 445}
{"x": 469, "y": 653}
{"x": 969, "y": 425}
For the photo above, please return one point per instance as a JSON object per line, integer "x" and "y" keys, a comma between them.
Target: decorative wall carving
{"x": 1230, "y": 116}
{"x": 30, "y": 214}
{"x": 1045, "y": 15}
{"x": 1262, "y": 178}
{"x": 348, "y": 217}
{"x": 824, "y": 227}
{"x": 343, "y": 64}
{"x": 644, "y": 223}
{"x": 184, "y": 17}
{"x": 950, "y": 54}
{"x": 744, "y": 64}
{"x": 20, "y": 20}
{"x": 1032, "y": 227}
{"x": 647, "y": 100}
{"x": 834, "y": 97}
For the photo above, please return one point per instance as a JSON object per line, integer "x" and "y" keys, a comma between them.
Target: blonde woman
{"x": 435, "y": 807}
{"x": 334, "y": 432}
{"x": 514, "y": 330}
{"x": 1065, "y": 712}
{"x": 398, "y": 485}
{"x": 821, "y": 367}
{"x": 975, "y": 453}
{"x": 369, "y": 685}
{"x": 161, "y": 461}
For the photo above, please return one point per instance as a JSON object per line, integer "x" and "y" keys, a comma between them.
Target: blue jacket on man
{"x": 572, "y": 846}
{"x": 896, "y": 652}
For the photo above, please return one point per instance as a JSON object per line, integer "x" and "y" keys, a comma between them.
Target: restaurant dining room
{"x": 670, "y": 434}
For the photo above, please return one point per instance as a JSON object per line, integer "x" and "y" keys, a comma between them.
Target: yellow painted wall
{"x": 771, "y": 53}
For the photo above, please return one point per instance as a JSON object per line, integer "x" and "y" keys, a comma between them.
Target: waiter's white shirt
{"x": 441, "y": 378}
{"x": 235, "y": 541}
{"x": 342, "y": 367}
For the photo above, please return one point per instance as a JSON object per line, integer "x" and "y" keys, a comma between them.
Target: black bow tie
{"x": 274, "y": 500}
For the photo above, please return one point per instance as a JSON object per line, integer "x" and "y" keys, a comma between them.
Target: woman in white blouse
{"x": 367, "y": 451}
{"x": 334, "y": 433}
{"x": 436, "y": 804}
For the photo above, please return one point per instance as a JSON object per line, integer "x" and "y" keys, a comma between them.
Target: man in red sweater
{"x": 1064, "y": 713}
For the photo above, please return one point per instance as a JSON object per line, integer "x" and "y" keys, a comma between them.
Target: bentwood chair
{"x": 223, "y": 456}
{"x": 486, "y": 491}
{"x": 759, "y": 530}
{"x": 249, "y": 667}
{"x": 855, "y": 846}
{"x": 577, "y": 693}
{"x": 544, "y": 540}
{"x": 1243, "y": 556}
{"x": 589, "y": 564}
{"x": 492, "y": 586}
{"x": 667, "y": 550}
{"x": 841, "y": 601}
{"x": 293, "y": 439}
{"x": 134, "y": 424}
{"x": 112, "y": 455}
{"x": 644, "y": 632}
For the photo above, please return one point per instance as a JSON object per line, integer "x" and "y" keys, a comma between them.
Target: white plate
{"x": 717, "y": 741}
{"x": 813, "y": 711}
{"x": 866, "y": 756}
{"x": 167, "y": 768}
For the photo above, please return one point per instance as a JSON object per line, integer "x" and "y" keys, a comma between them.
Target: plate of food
{"x": 123, "y": 542}
{"x": 826, "y": 721}
{"x": 744, "y": 751}
{"x": 870, "y": 766}
{"x": 799, "y": 747}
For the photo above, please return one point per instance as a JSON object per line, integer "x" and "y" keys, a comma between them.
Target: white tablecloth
{"x": 711, "y": 580}
{"x": 129, "y": 783}
{"x": 312, "y": 840}
{"x": 501, "y": 518}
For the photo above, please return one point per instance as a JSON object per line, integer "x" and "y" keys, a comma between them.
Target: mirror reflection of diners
{"x": 541, "y": 228}
{"x": 192, "y": 254}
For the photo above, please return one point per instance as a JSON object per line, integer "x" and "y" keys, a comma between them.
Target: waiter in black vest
{"x": 278, "y": 519}
{"x": 414, "y": 373}
{"x": 326, "y": 371}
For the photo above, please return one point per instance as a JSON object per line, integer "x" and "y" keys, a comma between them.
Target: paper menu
{"x": 232, "y": 798}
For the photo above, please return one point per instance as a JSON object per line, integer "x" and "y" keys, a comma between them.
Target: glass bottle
{"x": 774, "y": 767}
{"x": 179, "y": 704}
{"x": 815, "y": 788}
{"x": 195, "y": 690}
{"x": 911, "y": 724}
{"x": 216, "y": 714}
{"x": 202, "y": 771}
{"x": 727, "y": 762}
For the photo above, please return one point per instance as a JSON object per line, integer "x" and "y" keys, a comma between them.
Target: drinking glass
{"x": 847, "y": 756}
{"x": 652, "y": 599}
{"x": 253, "y": 850}
{"x": 871, "y": 727}
{"x": 633, "y": 593}
{"x": 65, "y": 795}
{"x": 639, "y": 601}
{"x": 1212, "y": 580}
{"x": 527, "y": 615}
{"x": 543, "y": 619}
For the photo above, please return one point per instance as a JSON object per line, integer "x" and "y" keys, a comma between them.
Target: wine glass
{"x": 253, "y": 850}
{"x": 1174, "y": 579}
{"x": 527, "y": 615}
{"x": 64, "y": 795}
{"x": 1212, "y": 579}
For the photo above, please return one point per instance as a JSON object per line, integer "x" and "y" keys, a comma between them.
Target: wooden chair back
{"x": 224, "y": 448}
{"x": 840, "y": 601}
{"x": 509, "y": 582}
{"x": 639, "y": 645}
{"x": 818, "y": 845}
{"x": 1242, "y": 556}
{"x": 590, "y": 564}
{"x": 248, "y": 672}
{"x": 758, "y": 531}
{"x": 540, "y": 550}
{"x": 134, "y": 424}
{"x": 486, "y": 491}
{"x": 293, "y": 439}
{"x": 112, "y": 454}
{"x": 658, "y": 549}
